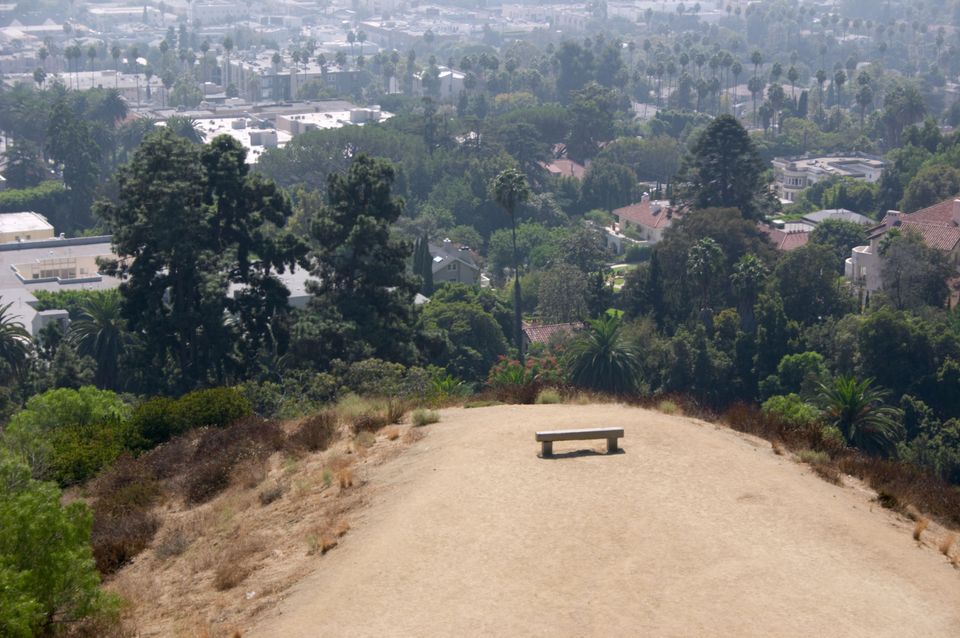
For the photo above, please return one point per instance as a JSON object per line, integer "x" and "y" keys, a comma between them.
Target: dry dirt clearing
{"x": 693, "y": 530}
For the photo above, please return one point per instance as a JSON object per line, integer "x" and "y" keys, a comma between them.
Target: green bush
{"x": 792, "y": 410}
{"x": 69, "y": 435}
{"x": 636, "y": 253}
{"x": 79, "y": 452}
{"x": 549, "y": 396}
{"x": 512, "y": 382}
{"x": 48, "y": 583}
{"x": 158, "y": 419}
{"x": 213, "y": 407}
{"x": 419, "y": 418}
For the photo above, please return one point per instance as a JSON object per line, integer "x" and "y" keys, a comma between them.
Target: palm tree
{"x": 92, "y": 56}
{"x": 99, "y": 333}
{"x": 840, "y": 78}
{"x": 747, "y": 280}
{"x": 856, "y": 409}
{"x": 704, "y": 263}
{"x": 793, "y": 75}
{"x": 227, "y": 48}
{"x": 509, "y": 190}
{"x": 821, "y": 78}
{"x": 603, "y": 360}
{"x": 15, "y": 343}
{"x": 115, "y": 53}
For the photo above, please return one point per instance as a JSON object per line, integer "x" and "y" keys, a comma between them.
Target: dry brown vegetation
{"x": 946, "y": 544}
{"x": 226, "y": 510}
{"x": 919, "y": 528}
{"x": 896, "y": 483}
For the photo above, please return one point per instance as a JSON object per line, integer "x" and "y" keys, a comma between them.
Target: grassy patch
{"x": 316, "y": 432}
{"x": 549, "y": 396}
{"x": 668, "y": 407}
{"x": 419, "y": 418}
{"x": 482, "y": 403}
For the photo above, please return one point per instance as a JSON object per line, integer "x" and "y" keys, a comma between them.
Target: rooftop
{"x": 23, "y": 222}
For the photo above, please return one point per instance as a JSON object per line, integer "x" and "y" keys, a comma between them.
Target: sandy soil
{"x": 694, "y": 530}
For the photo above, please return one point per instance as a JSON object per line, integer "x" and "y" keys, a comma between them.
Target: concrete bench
{"x": 546, "y": 439}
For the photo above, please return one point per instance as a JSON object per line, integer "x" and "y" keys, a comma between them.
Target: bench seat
{"x": 547, "y": 438}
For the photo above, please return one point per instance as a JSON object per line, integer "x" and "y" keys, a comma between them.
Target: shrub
{"x": 316, "y": 432}
{"x": 667, "y": 407}
{"x": 515, "y": 383}
{"x": 78, "y": 452}
{"x": 206, "y": 480}
{"x": 419, "y": 418}
{"x": 68, "y": 435}
{"x": 122, "y": 522}
{"x": 214, "y": 407}
{"x": 229, "y": 574}
{"x": 117, "y": 538}
{"x": 48, "y": 577}
{"x": 271, "y": 494}
{"x": 365, "y": 439}
{"x": 173, "y": 543}
{"x": 374, "y": 377}
{"x": 791, "y": 410}
{"x": 549, "y": 396}
{"x": 159, "y": 419}
{"x": 813, "y": 457}
{"x": 636, "y": 253}
{"x": 218, "y": 451}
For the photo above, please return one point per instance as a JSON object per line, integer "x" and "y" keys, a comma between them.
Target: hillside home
{"x": 938, "y": 225}
{"x": 648, "y": 218}
{"x": 454, "y": 264}
{"x": 792, "y": 175}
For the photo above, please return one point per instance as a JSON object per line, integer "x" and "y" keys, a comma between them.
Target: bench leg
{"x": 546, "y": 448}
{"x": 611, "y": 445}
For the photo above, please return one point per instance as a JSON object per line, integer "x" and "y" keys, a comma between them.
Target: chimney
{"x": 956, "y": 212}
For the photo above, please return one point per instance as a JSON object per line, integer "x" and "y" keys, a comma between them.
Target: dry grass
{"x": 947, "y": 543}
{"x": 235, "y": 565}
{"x": 419, "y": 418}
{"x": 412, "y": 435}
{"x": 172, "y": 543}
{"x": 228, "y": 575}
{"x": 250, "y": 473}
{"x": 919, "y": 528}
{"x": 325, "y": 537}
{"x": 392, "y": 433}
{"x": 271, "y": 493}
{"x": 668, "y": 407}
{"x": 549, "y": 396}
{"x": 317, "y": 432}
{"x": 364, "y": 440}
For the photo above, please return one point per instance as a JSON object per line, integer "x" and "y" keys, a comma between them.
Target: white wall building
{"x": 791, "y": 176}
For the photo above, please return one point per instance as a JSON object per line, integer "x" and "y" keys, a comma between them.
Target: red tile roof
{"x": 642, "y": 214}
{"x": 937, "y": 224}
{"x": 565, "y": 168}
{"x": 545, "y": 332}
{"x": 783, "y": 240}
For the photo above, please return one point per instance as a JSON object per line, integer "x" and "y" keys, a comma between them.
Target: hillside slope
{"x": 693, "y": 530}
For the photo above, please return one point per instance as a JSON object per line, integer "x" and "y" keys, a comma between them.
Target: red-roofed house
{"x": 785, "y": 239}
{"x": 548, "y": 333}
{"x": 938, "y": 225}
{"x": 565, "y": 168}
{"x": 649, "y": 218}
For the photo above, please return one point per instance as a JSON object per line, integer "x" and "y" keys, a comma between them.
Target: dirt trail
{"x": 694, "y": 530}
